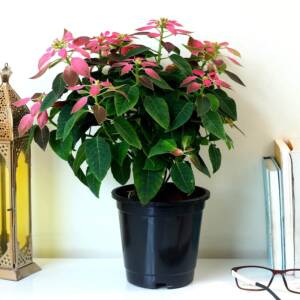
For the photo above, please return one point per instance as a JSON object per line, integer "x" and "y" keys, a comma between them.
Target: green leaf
{"x": 147, "y": 183}
{"x": 154, "y": 164}
{"x": 215, "y": 157}
{"x": 199, "y": 163}
{"x": 234, "y": 77}
{"x": 183, "y": 115}
{"x": 49, "y": 100}
{"x": 122, "y": 104}
{"x": 121, "y": 173}
{"x": 98, "y": 156}
{"x": 214, "y": 102}
{"x": 203, "y": 106}
{"x": 213, "y": 123}
{"x": 30, "y": 137}
{"x": 227, "y": 104}
{"x": 229, "y": 142}
{"x": 110, "y": 107}
{"x": 80, "y": 175}
{"x": 79, "y": 159}
{"x": 58, "y": 85}
{"x": 64, "y": 116}
{"x": 161, "y": 83}
{"x": 72, "y": 121}
{"x": 182, "y": 64}
{"x": 41, "y": 137}
{"x": 136, "y": 51}
{"x": 162, "y": 147}
{"x": 158, "y": 109}
{"x": 119, "y": 152}
{"x": 183, "y": 177}
{"x": 93, "y": 183}
{"x": 53, "y": 112}
{"x": 62, "y": 148}
{"x": 127, "y": 132}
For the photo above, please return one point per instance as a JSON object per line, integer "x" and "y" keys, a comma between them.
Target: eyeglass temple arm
{"x": 268, "y": 289}
{"x": 253, "y": 283}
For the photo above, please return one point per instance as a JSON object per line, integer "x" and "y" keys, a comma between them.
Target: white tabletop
{"x": 90, "y": 279}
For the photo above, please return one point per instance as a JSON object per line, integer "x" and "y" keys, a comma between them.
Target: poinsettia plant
{"x": 120, "y": 104}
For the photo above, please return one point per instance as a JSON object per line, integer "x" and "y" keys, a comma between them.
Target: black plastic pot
{"x": 160, "y": 240}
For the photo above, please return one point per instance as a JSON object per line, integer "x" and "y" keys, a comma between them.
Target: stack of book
{"x": 282, "y": 198}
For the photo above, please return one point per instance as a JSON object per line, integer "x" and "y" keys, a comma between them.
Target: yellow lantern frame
{"x": 15, "y": 188}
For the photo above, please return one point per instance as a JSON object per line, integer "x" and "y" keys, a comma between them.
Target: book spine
{"x": 269, "y": 235}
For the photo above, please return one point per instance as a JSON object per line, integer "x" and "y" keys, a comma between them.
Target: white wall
{"x": 67, "y": 219}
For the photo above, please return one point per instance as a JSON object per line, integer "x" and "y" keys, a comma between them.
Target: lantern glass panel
{"x": 5, "y": 206}
{"x": 23, "y": 199}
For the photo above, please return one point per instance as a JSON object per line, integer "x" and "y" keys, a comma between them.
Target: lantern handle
{"x": 5, "y": 73}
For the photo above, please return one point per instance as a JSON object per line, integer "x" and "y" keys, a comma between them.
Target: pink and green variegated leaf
{"x": 207, "y": 82}
{"x": 81, "y": 51}
{"x": 42, "y": 119}
{"x": 35, "y": 108}
{"x": 21, "y": 102}
{"x": 184, "y": 32}
{"x": 119, "y": 64}
{"x": 94, "y": 90}
{"x": 225, "y": 84}
{"x": 70, "y": 77}
{"x": 62, "y": 53}
{"x": 221, "y": 83}
{"x": 234, "y": 52}
{"x": 81, "y": 41}
{"x": 76, "y": 87}
{"x": 198, "y": 73}
{"x": 187, "y": 80}
{"x": 145, "y": 28}
{"x": 40, "y": 72}
{"x": 25, "y": 124}
{"x": 146, "y": 82}
{"x": 223, "y": 44}
{"x": 152, "y": 73}
{"x": 80, "y": 66}
{"x": 79, "y": 104}
{"x": 195, "y": 43}
{"x": 105, "y": 83}
{"x": 193, "y": 87}
{"x": 45, "y": 58}
{"x": 175, "y": 23}
{"x": 172, "y": 29}
{"x": 149, "y": 64}
{"x": 126, "y": 69}
{"x": 67, "y": 36}
{"x": 234, "y": 60}
{"x": 153, "y": 34}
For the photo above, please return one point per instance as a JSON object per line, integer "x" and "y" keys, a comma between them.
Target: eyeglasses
{"x": 257, "y": 278}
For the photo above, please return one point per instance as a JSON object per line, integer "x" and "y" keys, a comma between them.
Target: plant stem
{"x": 160, "y": 45}
{"x": 53, "y": 123}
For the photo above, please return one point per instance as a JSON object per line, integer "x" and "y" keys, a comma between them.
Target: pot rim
{"x": 204, "y": 195}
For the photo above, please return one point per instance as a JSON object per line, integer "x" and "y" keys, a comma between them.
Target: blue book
{"x": 274, "y": 213}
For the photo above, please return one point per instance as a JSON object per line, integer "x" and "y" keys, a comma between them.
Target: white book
{"x": 272, "y": 185}
{"x": 295, "y": 156}
{"x": 283, "y": 158}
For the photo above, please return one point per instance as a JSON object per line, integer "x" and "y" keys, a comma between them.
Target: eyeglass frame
{"x": 274, "y": 272}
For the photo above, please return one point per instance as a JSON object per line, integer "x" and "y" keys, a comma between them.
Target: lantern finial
{"x": 5, "y": 73}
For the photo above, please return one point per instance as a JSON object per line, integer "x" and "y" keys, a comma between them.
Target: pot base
{"x": 157, "y": 281}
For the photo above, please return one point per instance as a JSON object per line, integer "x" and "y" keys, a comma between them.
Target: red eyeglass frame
{"x": 275, "y": 272}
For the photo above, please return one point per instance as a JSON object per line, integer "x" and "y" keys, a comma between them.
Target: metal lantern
{"x": 15, "y": 207}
